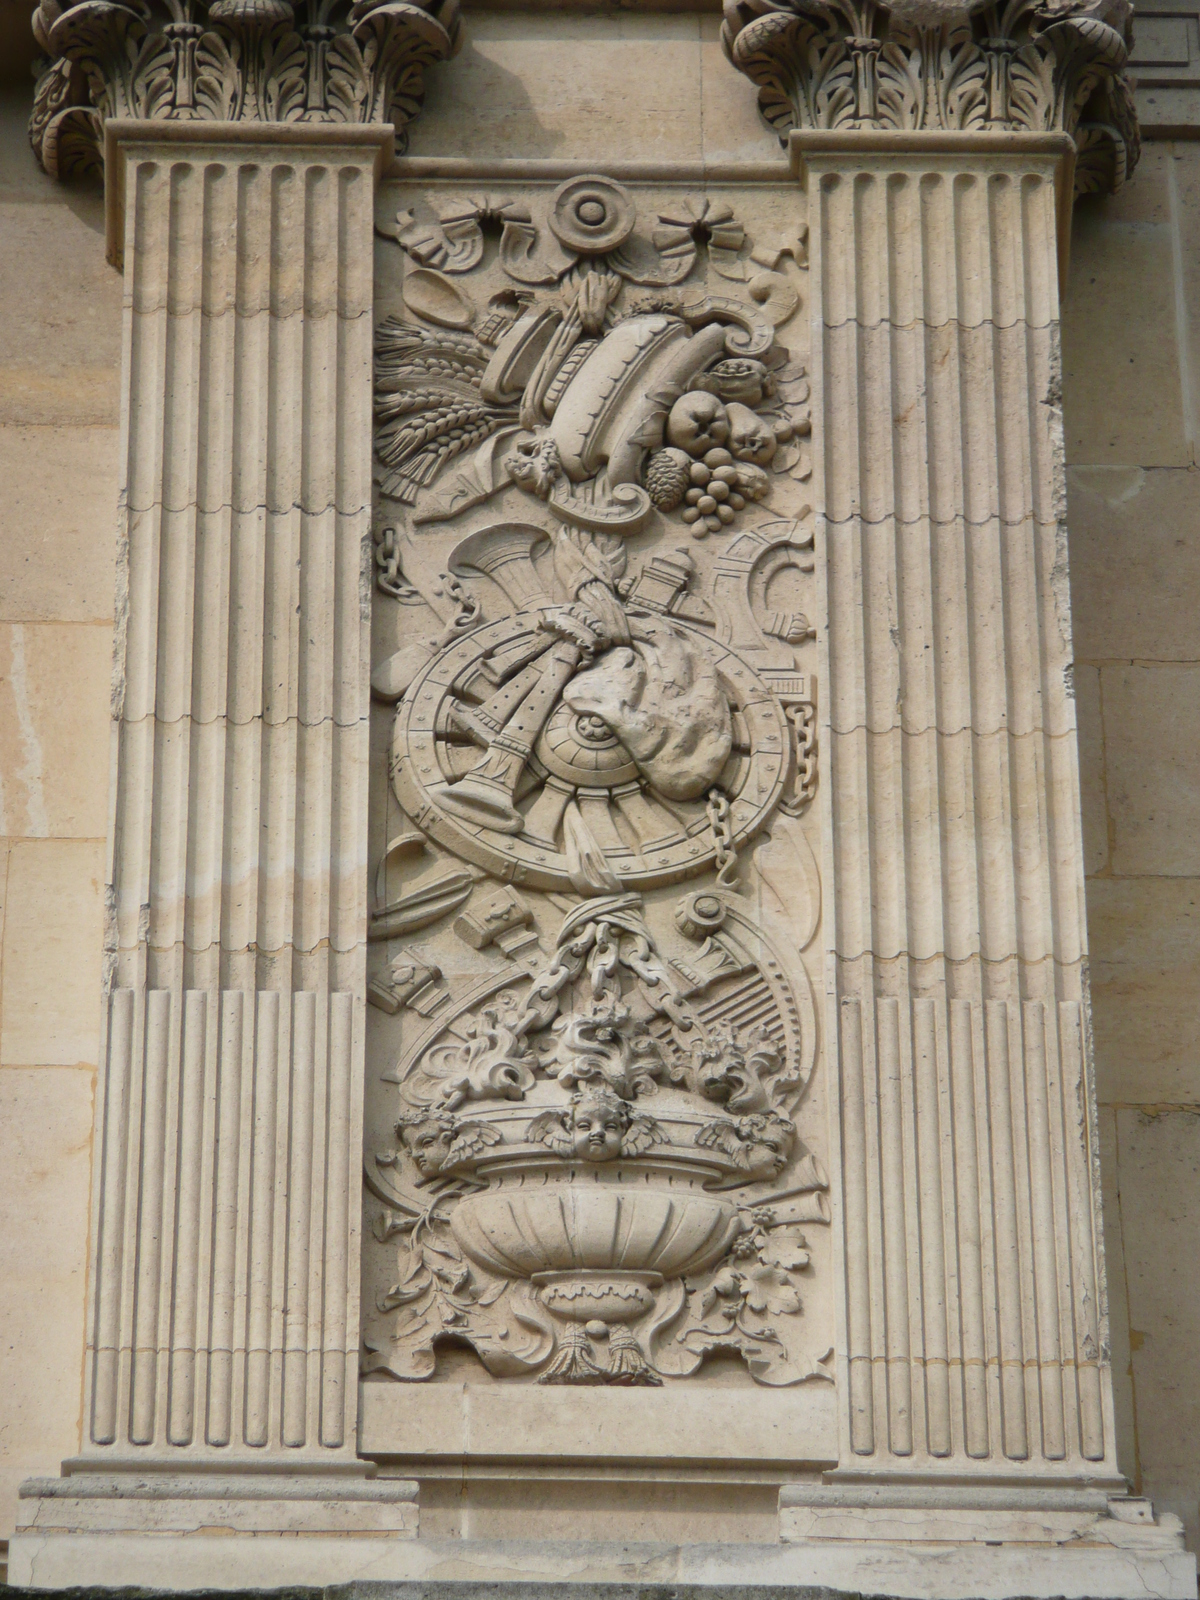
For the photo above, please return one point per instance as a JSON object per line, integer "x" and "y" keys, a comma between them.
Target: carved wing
{"x": 641, "y": 1134}
{"x": 471, "y": 1139}
{"x": 723, "y": 1136}
{"x": 548, "y": 1129}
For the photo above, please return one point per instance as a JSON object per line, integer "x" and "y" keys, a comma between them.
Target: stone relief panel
{"x": 595, "y": 1124}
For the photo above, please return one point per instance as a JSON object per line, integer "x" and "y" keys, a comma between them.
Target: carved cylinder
{"x": 973, "y": 1297}
{"x": 224, "y": 1310}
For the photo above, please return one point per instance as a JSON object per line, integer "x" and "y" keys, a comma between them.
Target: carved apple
{"x": 697, "y": 423}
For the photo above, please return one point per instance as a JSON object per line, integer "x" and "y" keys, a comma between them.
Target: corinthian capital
{"x": 316, "y": 61}
{"x": 1030, "y": 65}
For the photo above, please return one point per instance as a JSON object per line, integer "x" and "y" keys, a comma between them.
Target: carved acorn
{"x": 667, "y": 477}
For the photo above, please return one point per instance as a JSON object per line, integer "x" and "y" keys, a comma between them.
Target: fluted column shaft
{"x": 973, "y": 1325}
{"x": 224, "y": 1319}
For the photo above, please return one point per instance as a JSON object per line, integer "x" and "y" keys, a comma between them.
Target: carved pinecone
{"x": 667, "y": 477}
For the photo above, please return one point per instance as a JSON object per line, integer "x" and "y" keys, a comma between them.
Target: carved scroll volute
{"x": 339, "y": 61}
{"x": 1040, "y": 66}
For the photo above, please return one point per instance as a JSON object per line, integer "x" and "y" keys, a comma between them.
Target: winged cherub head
{"x": 438, "y": 1142}
{"x": 596, "y": 1126}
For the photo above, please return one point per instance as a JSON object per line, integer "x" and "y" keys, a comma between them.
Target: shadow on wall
{"x": 476, "y": 80}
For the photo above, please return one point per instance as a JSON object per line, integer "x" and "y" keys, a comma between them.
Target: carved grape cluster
{"x": 718, "y": 447}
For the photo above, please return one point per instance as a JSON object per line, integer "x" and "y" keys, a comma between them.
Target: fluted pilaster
{"x": 224, "y": 1316}
{"x": 973, "y": 1296}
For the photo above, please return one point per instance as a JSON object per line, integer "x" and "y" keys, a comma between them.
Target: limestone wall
{"x": 1131, "y": 336}
{"x": 648, "y": 86}
{"x": 60, "y": 340}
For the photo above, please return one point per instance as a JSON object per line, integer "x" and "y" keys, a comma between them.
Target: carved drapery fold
{"x": 322, "y": 61}
{"x": 1033, "y": 66}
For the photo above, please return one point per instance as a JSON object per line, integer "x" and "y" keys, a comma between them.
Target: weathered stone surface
{"x": 1108, "y": 352}
{"x": 54, "y": 736}
{"x": 1135, "y": 537}
{"x": 1159, "y": 1158}
{"x": 1152, "y": 723}
{"x": 58, "y": 523}
{"x": 52, "y": 953}
{"x": 1145, "y": 968}
{"x": 45, "y": 1148}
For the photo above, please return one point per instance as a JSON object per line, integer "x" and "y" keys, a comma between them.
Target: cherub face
{"x": 596, "y": 1130}
{"x": 769, "y": 1152}
{"x": 428, "y": 1143}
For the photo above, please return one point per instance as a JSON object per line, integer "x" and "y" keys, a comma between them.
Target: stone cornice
{"x": 1035, "y": 66}
{"x": 257, "y": 61}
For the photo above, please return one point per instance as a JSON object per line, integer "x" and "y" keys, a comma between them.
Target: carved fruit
{"x": 667, "y": 477}
{"x": 698, "y": 422}
{"x": 750, "y": 438}
{"x": 753, "y": 481}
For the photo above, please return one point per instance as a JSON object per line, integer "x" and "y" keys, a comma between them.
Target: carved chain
{"x": 389, "y": 575}
{"x": 722, "y": 832}
{"x": 803, "y": 719}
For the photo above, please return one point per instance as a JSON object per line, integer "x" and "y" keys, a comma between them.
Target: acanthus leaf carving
{"x": 1033, "y": 65}
{"x": 330, "y": 61}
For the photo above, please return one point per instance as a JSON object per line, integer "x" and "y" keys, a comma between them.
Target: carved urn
{"x": 596, "y": 1239}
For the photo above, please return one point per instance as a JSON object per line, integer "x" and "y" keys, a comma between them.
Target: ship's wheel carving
{"x": 556, "y": 800}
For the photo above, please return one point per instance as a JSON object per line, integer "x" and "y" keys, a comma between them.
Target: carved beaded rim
{"x": 423, "y": 763}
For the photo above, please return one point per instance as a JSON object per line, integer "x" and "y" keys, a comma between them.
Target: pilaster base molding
{"x": 253, "y": 61}
{"x": 1045, "y": 1554}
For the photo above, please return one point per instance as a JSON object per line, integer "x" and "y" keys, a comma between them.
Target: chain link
{"x": 722, "y": 832}
{"x": 803, "y": 718}
{"x": 466, "y": 606}
{"x": 389, "y": 575}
